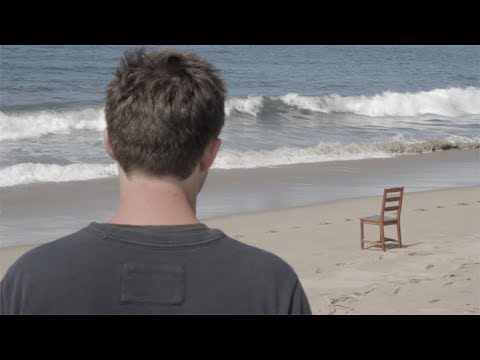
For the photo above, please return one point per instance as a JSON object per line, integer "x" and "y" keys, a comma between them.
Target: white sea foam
{"x": 452, "y": 102}
{"x": 27, "y": 125}
{"x": 444, "y": 102}
{"x": 26, "y": 173}
{"x": 231, "y": 159}
{"x": 463, "y": 139}
{"x": 250, "y": 105}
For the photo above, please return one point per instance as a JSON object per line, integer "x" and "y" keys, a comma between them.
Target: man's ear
{"x": 209, "y": 154}
{"x": 108, "y": 146}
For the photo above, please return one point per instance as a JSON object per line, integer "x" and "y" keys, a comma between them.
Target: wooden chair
{"x": 383, "y": 220}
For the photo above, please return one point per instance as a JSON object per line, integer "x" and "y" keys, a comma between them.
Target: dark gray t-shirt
{"x": 118, "y": 269}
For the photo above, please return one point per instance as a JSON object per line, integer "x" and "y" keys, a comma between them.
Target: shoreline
{"x": 437, "y": 272}
{"x": 337, "y": 201}
{"x": 37, "y": 213}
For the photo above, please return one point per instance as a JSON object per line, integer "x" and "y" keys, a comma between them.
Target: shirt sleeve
{"x": 2, "y": 299}
{"x": 299, "y": 304}
{"x": 8, "y": 285}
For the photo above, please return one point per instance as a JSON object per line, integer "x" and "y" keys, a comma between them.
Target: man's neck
{"x": 154, "y": 202}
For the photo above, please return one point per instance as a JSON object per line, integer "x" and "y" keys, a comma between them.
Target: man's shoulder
{"x": 261, "y": 259}
{"x": 51, "y": 251}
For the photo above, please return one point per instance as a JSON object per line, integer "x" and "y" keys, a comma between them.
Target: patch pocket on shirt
{"x": 161, "y": 284}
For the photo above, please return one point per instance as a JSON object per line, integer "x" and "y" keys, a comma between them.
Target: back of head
{"x": 162, "y": 109}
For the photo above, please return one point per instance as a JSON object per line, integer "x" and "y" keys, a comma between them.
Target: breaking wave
{"x": 26, "y": 173}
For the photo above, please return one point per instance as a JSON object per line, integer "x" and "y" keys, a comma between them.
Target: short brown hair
{"x": 162, "y": 109}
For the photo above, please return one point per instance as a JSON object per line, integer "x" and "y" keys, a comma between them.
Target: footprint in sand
{"x": 470, "y": 265}
{"x": 463, "y": 203}
{"x": 324, "y": 223}
{"x": 472, "y": 308}
{"x": 295, "y": 227}
{"x": 429, "y": 266}
{"x": 465, "y": 271}
{"x": 433, "y": 301}
{"x": 440, "y": 207}
{"x": 271, "y": 232}
{"x": 420, "y": 209}
{"x": 344, "y": 302}
{"x": 317, "y": 270}
{"x": 414, "y": 281}
{"x": 348, "y": 219}
{"x": 420, "y": 253}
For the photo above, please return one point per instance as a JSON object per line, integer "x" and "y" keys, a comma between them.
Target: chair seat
{"x": 376, "y": 218}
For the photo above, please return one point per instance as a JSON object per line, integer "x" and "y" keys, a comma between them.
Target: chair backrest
{"x": 392, "y": 201}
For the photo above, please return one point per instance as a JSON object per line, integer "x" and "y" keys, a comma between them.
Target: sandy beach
{"x": 437, "y": 272}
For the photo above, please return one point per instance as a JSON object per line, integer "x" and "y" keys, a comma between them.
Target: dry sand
{"x": 437, "y": 272}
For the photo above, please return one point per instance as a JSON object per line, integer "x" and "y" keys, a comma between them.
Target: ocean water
{"x": 286, "y": 105}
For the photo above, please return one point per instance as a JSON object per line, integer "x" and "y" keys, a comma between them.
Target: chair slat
{"x": 392, "y": 199}
{"x": 392, "y": 208}
{"x": 391, "y": 190}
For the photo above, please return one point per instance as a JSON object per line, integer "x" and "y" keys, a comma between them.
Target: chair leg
{"x": 382, "y": 236}
{"x": 361, "y": 235}
{"x": 399, "y": 234}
